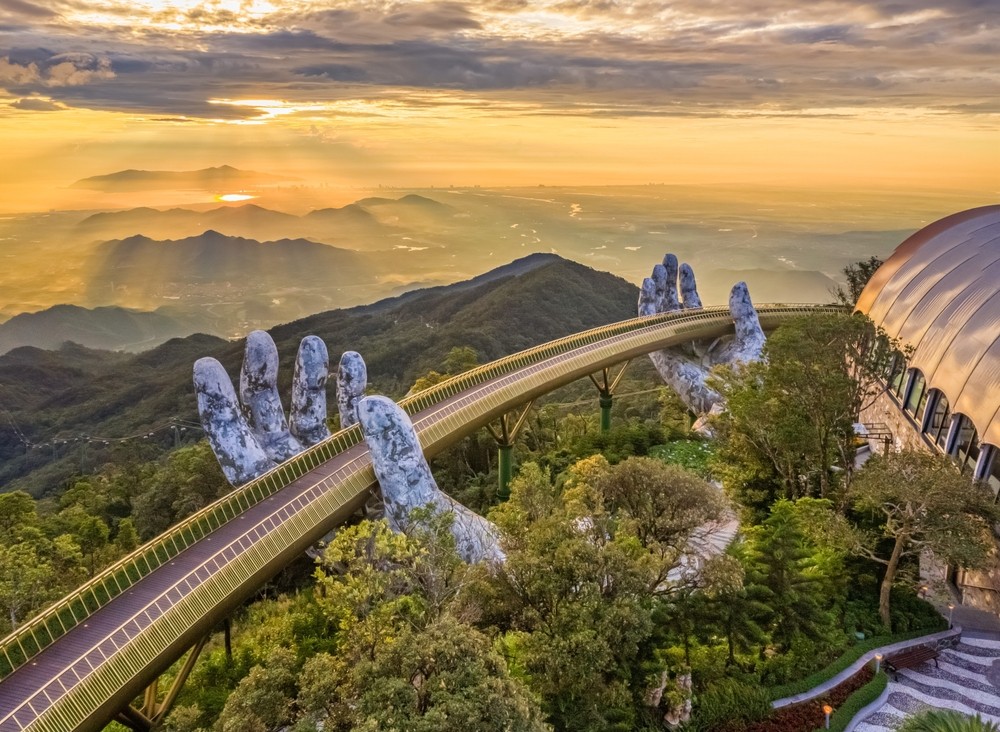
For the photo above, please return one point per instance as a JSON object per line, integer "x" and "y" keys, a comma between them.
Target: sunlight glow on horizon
{"x": 234, "y": 197}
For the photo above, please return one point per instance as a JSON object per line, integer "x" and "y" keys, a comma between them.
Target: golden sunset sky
{"x": 356, "y": 93}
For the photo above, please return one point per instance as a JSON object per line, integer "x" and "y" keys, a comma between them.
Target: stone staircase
{"x": 967, "y": 680}
{"x": 707, "y": 541}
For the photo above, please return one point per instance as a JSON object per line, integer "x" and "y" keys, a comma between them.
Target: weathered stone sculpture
{"x": 251, "y": 439}
{"x": 407, "y": 482}
{"x": 685, "y": 369}
{"x": 352, "y": 380}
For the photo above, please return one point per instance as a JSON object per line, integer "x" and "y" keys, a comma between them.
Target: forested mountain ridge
{"x": 73, "y": 400}
{"x": 112, "y": 328}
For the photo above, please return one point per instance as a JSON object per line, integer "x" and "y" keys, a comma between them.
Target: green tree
{"x": 575, "y": 597}
{"x": 739, "y": 611}
{"x": 458, "y": 359}
{"x": 90, "y": 532}
{"x": 262, "y": 702}
{"x": 127, "y": 537}
{"x": 446, "y": 677}
{"x": 920, "y": 502}
{"x": 27, "y": 581}
{"x": 185, "y": 718}
{"x": 790, "y": 416}
{"x": 186, "y": 480}
{"x": 661, "y": 505}
{"x": 857, "y": 276}
{"x": 782, "y": 560}
{"x": 17, "y": 511}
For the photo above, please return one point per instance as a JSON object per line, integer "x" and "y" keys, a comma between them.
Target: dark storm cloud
{"x": 703, "y": 57}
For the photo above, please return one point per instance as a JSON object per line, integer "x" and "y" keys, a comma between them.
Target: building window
{"x": 916, "y": 397}
{"x": 897, "y": 374}
{"x": 967, "y": 445}
{"x": 992, "y": 477}
{"x": 939, "y": 421}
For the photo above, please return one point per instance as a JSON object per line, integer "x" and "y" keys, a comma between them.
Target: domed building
{"x": 939, "y": 294}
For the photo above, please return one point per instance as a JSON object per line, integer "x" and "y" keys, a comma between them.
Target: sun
{"x": 234, "y": 197}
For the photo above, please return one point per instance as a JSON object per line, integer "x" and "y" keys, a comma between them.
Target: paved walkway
{"x": 707, "y": 541}
{"x": 967, "y": 679}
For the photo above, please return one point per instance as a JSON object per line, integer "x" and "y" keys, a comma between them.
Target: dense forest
{"x": 608, "y": 613}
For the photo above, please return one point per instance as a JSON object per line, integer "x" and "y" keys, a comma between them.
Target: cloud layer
{"x": 587, "y": 57}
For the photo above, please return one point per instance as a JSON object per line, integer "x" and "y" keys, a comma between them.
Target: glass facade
{"x": 917, "y": 396}
{"x": 992, "y": 477}
{"x": 967, "y": 445}
{"x": 897, "y": 374}
{"x": 939, "y": 421}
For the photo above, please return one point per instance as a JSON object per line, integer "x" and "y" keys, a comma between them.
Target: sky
{"x": 853, "y": 94}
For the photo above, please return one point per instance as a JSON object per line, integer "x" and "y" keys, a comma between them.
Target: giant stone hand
{"x": 686, "y": 368}
{"x": 251, "y": 436}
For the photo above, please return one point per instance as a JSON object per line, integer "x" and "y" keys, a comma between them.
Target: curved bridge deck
{"x": 79, "y": 662}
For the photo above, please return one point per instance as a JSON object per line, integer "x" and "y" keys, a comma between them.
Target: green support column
{"x": 506, "y": 470}
{"x": 607, "y": 401}
{"x": 606, "y": 388}
{"x": 505, "y": 437}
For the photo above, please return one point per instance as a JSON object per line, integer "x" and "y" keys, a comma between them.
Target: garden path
{"x": 967, "y": 680}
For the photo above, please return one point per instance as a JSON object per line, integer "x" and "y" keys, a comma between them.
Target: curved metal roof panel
{"x": 939, "y": 292}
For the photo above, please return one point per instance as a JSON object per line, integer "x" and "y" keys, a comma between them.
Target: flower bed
{"x": 807, "y": 716}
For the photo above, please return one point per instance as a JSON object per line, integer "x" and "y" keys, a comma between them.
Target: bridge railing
{"x": 29, "y": 639}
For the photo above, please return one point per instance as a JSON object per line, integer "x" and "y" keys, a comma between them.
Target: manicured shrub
{"x": 730, "y": 703}
{"x": 858, "y": 701}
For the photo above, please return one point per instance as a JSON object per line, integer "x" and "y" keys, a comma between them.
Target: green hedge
{"x": 856, "y": 702}
{"x": 851, "y": 655}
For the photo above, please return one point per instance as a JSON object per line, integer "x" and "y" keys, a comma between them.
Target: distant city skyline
{"x": 839, "y": 93}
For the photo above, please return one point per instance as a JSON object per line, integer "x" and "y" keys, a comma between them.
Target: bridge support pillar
{"x": 606, "y": 386}
{"x": 154, "y": 711}
{"x": 509, "y": 427}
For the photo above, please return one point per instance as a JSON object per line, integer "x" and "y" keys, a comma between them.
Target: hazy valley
{"x": 227, "y": 267}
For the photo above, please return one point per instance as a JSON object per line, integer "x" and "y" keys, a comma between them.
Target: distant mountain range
{"x": 207, "y": 179}
{"x": 372, "y": 223}
{"x": 215, "y": 259}
{"x": 108, "y": 328}
{"x": 52, "y": 395}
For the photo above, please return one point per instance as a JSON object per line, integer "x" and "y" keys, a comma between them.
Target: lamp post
{"x": 951, "y": 612}
{"x": 878, "y": 662}
{"x": 827, "y": 710}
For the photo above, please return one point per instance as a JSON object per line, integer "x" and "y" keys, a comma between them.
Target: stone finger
{"x": 748, "y": 343}
{"x": 259, "y": 394}
{"x": 670, "y": 301}
{"x": 648, "y": 302}
{"x": 659, "y": 279}
{"x": 352, "y": 380}
{"x": 689, "y": 288}
{"x": 308, "y": 414}
{"x": 235, "y": 446}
